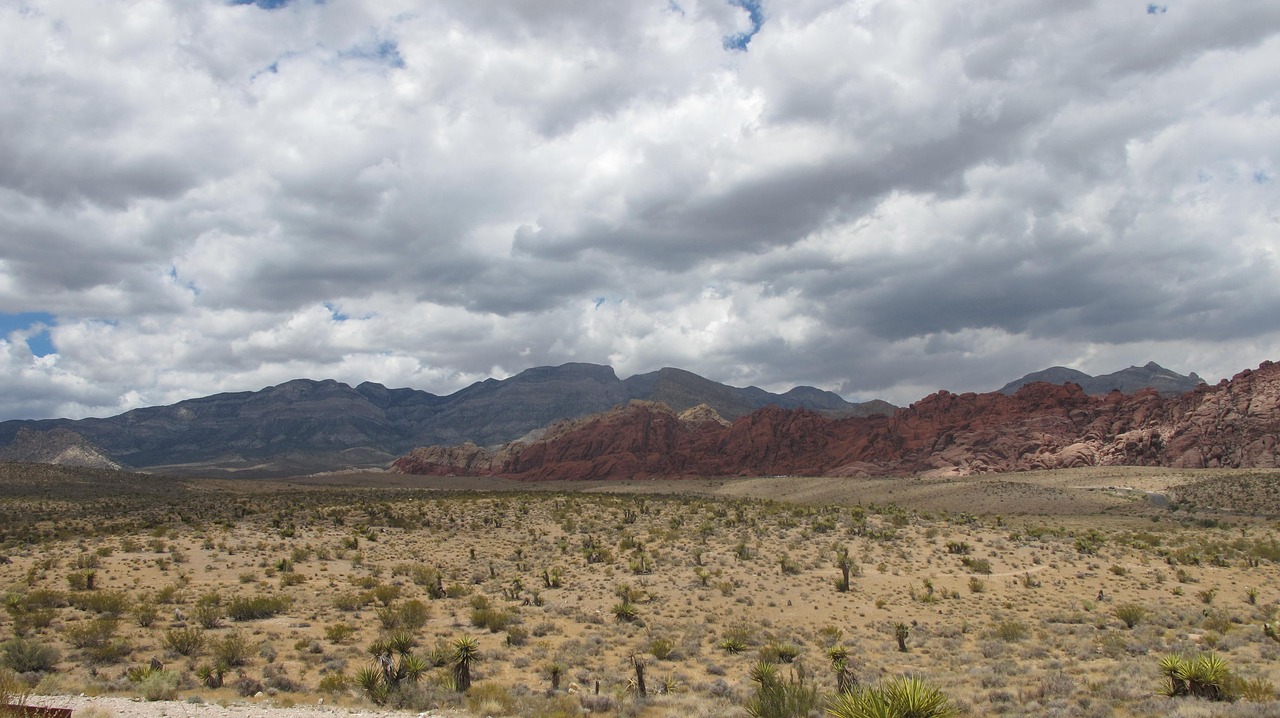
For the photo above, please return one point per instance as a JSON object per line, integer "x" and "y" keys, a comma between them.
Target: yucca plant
{"x": 393, "y": 666}
{"x": 776, "y": 698}
{"x": 901, "y": 697}
{"x": 466, "y": 652}
{"x": 1206, "y": 675}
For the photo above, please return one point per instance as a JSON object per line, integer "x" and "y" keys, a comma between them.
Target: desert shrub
{"x": 248, "y": 608}
{"x": 27, "y": 655}
{"x": 1011, "y": 631}
{"x": 903, "y": 697}
{"x": 662, "y": 648}
{"x": 493, "y": 619}
{"x": 159, "y": 686}
{"x": 92, "y": 633}
{"x": 232, "y": 649}
{"x": 775, "y": 652}
{"x": 112, "y": 603}
{"x": 351, "y": 601}
{"x": 208, "y": 615}
{"x": 1131, "y": 614}
{"x": 490, "y": 699}
{"x": 145, "y": 614}
{"x": 334, "y": 683}
{"x": 410, "y": 615}
{"x": 338, "y": 632}
{"x": 183, "y": 641}
{"x": 977, "y": 565}
{"x": 245, "y": 686}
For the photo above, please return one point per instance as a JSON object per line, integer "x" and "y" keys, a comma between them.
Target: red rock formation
{"x": 1042, "y": 426}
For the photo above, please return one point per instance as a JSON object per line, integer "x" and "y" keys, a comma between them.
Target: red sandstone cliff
{"x": 1233, "y": 424}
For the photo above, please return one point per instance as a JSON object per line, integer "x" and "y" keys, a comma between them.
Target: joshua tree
{"x": 900, "y": 632}
{"x": 466, "y": 651}
{"x": 556, "y": 671}
{"x": 638, "y": 664}
{"x": 845, "y": 682}
{"x": 845, "y": 563}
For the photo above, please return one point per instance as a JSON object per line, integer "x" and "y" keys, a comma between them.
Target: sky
{"x": 877, "y": 198}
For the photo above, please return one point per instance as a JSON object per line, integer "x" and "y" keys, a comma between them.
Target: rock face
{"x": 59, "y": 447}
{"x": 305, "y": 426}
{"x": 1041, "y": 426}
{"x": 1128, "y": 381}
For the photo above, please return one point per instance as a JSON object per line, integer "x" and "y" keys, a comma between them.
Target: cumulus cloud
{"x": 880, "y": 198}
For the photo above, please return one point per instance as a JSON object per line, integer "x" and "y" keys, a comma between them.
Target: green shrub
{"x": 338, "y": 632}
{"x": 159, "y": 686}
{"x": 183, "y": 641}
{"x": 1011, "y": 631}
{"x": 232, "y": 650}
{"x": 1131, "y": 614}
{"x": 111, "y": 603}
{"x": 248, "y": 608}
{"x": 27, "y": 655}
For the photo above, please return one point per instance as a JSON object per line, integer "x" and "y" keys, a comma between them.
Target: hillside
{"x": 306, "y": 426}
{"x": 1041, "y": 426}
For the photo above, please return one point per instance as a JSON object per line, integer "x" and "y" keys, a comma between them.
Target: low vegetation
{"x": 536, "y": 603}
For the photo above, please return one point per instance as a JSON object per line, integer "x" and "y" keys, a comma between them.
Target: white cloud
{"x": 878, "y": 197}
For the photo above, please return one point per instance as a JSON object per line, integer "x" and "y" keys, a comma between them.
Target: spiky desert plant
{"x": 466, "y": 653}
{"x": 393, "y": 666}
{"x": 776, "y": 698}
{"x": 1206, "y": 675}
{"x": 1272, "y": 629}
{"x": 839, "y": 656}
{"x": 555, "y": 671}
{"x": 901, "y": 697}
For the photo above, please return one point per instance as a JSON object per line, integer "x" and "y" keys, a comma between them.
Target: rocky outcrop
{"x": 1041, "y": 426}
{"x": 59, "y": 447}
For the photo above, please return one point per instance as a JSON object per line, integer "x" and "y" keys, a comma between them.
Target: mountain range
{"x": 1039, "y": 426}
{"x": 306, "y": 426}
{"x": 1126, "y": 381}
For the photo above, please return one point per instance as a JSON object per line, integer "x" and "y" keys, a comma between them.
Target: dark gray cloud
{"x": 876, "y": 198}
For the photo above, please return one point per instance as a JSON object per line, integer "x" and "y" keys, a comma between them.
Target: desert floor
{"x": 1007, "y": 589}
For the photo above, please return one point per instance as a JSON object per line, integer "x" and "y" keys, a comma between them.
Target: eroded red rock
{"x": 1042, "y": 426}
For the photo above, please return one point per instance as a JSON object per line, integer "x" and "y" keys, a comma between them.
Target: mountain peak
{"x": 1127, "y": 381}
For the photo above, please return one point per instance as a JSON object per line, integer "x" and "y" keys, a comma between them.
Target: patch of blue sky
{"x": 1154, "y": 9}
{"x": 337, "y": 314}
{"x": 40, "y": 342}
{"x": 755, "y": 13}
{"x": 386, "y": 52}
{"x": 264, "y": 4}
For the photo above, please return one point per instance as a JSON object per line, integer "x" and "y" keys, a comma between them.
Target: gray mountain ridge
{"x": 1126, "y": 381}
{"x": 307, "y": 426}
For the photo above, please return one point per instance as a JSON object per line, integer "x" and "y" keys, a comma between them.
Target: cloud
{"x": 878, "y": 198}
